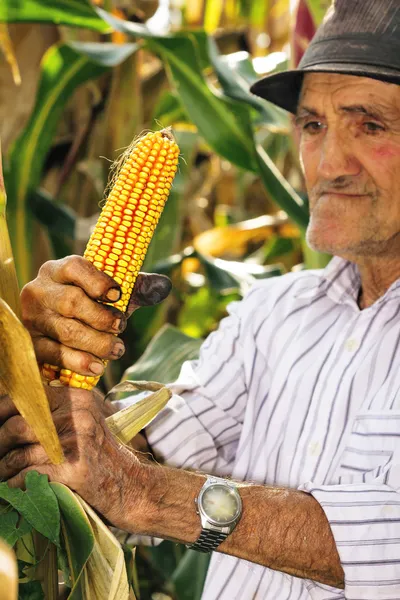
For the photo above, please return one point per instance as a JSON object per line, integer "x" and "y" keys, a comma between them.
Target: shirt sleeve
{"x": 364, "y": 515}
{"x": 201, "y": 425}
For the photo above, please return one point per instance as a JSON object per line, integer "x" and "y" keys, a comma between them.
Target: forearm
{"x": 282, "y": 529}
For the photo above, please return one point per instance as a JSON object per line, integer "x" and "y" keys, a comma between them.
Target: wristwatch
{"x": 220, "y": 507}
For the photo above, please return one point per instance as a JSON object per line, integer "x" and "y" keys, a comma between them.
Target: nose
{"x": 337, "y": 159}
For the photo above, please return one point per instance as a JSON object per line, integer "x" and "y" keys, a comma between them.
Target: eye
{"x": 313, "y": 127}
{"x": 372, "y": 128}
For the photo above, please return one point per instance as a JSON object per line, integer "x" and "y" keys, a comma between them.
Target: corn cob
{"x": 126, "y": 225}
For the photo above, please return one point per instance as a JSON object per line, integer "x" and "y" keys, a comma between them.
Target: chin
{"x": 327, "y": 240}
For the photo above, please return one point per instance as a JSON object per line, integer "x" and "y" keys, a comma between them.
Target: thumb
{"x": 149, "y": 289}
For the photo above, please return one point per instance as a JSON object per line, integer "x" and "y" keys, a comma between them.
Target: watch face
{"x": 221, "y": 504}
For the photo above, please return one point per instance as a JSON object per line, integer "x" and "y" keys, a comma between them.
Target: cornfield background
{"x": 78, "y": 81}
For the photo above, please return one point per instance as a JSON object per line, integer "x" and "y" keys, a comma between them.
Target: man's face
{"x": 350, "y": 153}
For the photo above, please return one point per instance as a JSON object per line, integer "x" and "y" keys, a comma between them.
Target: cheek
{"x": 309, "y": 159}
{"x": 384, "y": 165}
{"x": 387, "y": 151}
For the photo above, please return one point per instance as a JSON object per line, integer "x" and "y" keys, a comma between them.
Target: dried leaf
{"x": 106, "y": 577}
{"x": 128, "y": 422}
{"x": 9, "y": 289}
{"x": 8, "y": 51}
{"x": 20, "y": 379}
{"x": 233, "y": 240}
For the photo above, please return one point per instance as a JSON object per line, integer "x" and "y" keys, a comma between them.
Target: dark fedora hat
{"x": 357, "y": 37}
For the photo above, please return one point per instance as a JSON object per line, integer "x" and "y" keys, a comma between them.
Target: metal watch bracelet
{"x": 208, "y": 540}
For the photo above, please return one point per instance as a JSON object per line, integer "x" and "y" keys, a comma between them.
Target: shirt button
{"x": 352, "y": 344}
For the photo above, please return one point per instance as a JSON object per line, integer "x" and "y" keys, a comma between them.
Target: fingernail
{"x": 96, "y": 368}
{"x": 113, "y": 295}
{"x": 118, "y": 350}
{"x": 117, "y": 325}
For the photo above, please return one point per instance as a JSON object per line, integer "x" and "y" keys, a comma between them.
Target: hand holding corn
{"x": 69, "y": 327}
{"x": 65, "y": 312}
{"x": 95, "y": 462}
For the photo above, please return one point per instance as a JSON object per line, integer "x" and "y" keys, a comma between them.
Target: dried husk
{"x": 20, "y": 379}
{"x": 128, "y": 422}
{"x": 9, "y": 289}
{"x": 105, "y": 573}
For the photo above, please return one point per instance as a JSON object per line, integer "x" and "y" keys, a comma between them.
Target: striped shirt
{"x": 299, "y": 388}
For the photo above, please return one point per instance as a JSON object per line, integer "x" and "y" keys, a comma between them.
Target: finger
{"x": 72, "y": 302}
{"x": 19, "y": 459}
{"x": 53, "y": 353}
{"x": 149, "y": 289}
{"x": 18, "y": 481}
{"x": 76, "y": 335}
{"x": 75, "y": 270}
{"x": 15, "y": 432}
{"x": 7, "y": 409}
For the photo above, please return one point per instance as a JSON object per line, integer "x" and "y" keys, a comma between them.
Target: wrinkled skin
{"x": 68, "y": 325}
{"x": 94, "y": 460}
{"x": 349, "y": 130}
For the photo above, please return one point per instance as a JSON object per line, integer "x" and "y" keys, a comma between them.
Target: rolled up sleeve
{"x": 365, "y": 521}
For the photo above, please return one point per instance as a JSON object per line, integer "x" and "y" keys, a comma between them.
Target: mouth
{"x": 342, "y": 195}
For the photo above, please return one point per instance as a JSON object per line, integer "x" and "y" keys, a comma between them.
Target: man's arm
{"x": 281, "y": 529}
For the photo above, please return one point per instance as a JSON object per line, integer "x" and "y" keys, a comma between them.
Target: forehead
{"x": 320, "y": 90}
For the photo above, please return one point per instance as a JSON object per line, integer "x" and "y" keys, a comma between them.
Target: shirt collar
{"x": 341, "y": 282}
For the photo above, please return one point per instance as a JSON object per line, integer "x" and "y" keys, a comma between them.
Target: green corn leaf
{"x": 56, "y": 217}
{"x": 280, "y": 190}
{"x": 77, "y": 536}
{"x": 229, "y": 276}
{"x": 231, "y": 76}
{"x": 38, "y": 505}
{"x": 219, "y": 120}
{"x": 164, "y": 356}
{"x": 32, "y": 590}
{"x": 75, "y": 13}
{"x": 10, "y": 530}
{"x": 224, "y": 123}
{"x": 318, "y": 9}
{"x": 169, "y": 110}
{"x": 190, "y": 575}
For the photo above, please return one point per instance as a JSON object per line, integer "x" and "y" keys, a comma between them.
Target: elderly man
{"x": 296, "y": 396}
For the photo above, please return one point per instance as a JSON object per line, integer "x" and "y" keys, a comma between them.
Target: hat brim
{"x": 283, "y": 89}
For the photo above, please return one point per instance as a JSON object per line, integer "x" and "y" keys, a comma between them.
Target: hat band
{"x": 350, "y": 49}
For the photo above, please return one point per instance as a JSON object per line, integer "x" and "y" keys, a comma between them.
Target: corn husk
{"x": 20, "y": 379}
{"x": 105, "y": 575}
{"x": 129, "y": 421}
{"x": 9, "y": 289}
{"x": 8, "y": 573}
